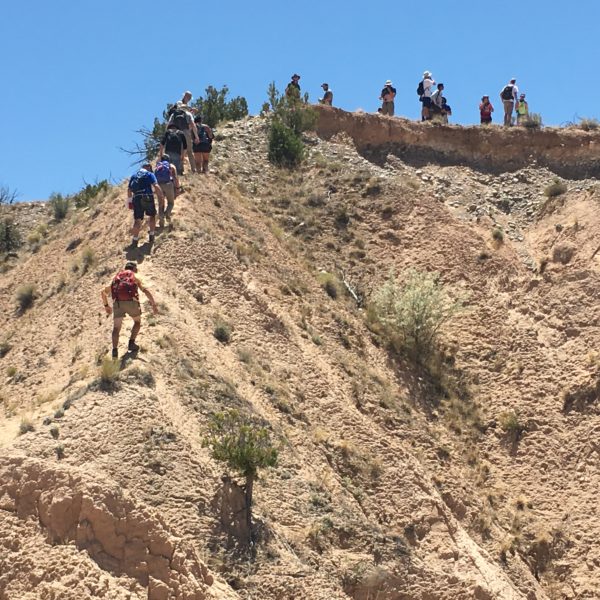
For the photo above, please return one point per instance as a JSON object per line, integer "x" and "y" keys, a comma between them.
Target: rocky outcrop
{"x": 121, "y": 537}
{"x": 569, "y": 153}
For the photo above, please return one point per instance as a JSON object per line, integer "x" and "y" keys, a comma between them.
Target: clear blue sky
{"x": 80, "y": 77}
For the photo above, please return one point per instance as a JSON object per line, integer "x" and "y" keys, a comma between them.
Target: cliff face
{"x": 570, "y": 153}
{"x": 393, "y": 483}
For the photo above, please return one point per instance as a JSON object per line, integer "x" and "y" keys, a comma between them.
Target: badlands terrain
{"x": 477, "y": 477}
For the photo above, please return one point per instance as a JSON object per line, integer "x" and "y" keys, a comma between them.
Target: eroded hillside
{"x": 390, "y": 485}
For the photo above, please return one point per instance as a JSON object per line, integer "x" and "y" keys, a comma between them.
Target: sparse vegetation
{"x": 59, "y": 205}
{"x": 533, "y": 121}
{"x": 84, "y": 196}
{"x": 330, "y": 284}
{"x": 244, "y": 445}
{"x": 59, "y": 451}
{"x": 109, "y": 373}
{"x": 222, "y": 331}
{"x": 556, "y": 188}
{"x": 412, "y": 313}
{"x": 54, "y": 432}
{"x": 10, "y": 236}
{"x": 7, "y": 196}
{"x": 512, "y": 425}
{"x": 141, "y": 376}
{"x": 588, "y": 124}
{"x": 88, "y": 259}
{"x": 498, "y": 234}
{"x": 25, "y": 297}
{"x": 5, "y": 347}
{"x": 25, "y": 426}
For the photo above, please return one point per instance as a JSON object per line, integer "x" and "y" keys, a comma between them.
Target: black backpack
{"x": 420, "y": 89}
{"x": 179, "y": 119}
{"x": 507, "y": 93}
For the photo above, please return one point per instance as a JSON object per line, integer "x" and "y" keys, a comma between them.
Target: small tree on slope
{"x": 244, "y": 445}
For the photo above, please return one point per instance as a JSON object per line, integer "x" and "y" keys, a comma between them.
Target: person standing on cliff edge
{"x": 388, "y": 93}
{"x": 509, "y": 96}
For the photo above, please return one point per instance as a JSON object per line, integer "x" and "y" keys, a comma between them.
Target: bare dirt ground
{"x": 388, "y": 486}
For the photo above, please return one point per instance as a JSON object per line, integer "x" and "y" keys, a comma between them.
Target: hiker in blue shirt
{"x": 140, "y": 193}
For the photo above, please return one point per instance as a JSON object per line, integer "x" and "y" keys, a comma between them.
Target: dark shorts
{"x": 143, "y": 205}
{"x": 426, "y": 101}
{"x": 486, "y": 120}
{"x": 202, "y": 147}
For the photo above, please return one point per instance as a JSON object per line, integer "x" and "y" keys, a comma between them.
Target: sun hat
{"x": 388, "y": 82}
{"x": 426, "y": 74}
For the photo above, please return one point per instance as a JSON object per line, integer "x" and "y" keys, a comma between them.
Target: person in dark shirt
{"x": 327, "y": 95}
{"x": 388, "y": 93}
{"x": 293, "y": 87}
{"x": 174, "y": 144}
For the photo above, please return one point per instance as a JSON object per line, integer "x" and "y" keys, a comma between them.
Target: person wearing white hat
{"x": 388, "y": 93}
{"x": 509, "y": 96}
{"x": 425, "y": 97}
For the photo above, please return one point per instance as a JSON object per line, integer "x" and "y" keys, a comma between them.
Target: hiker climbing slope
{"x": 124, "y": 291}
{"x": 166, "y": 175}
{"x": 140, "y": 191}
{"x": 180, "y": 115}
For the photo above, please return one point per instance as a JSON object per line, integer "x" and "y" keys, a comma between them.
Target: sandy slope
{"x": 383, "y": 490}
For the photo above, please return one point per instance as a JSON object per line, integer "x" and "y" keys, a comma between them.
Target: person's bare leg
{"x": 137, "y": 323}
{"x": 151, "y": 226}
{"x": 198, "y": 159}
{"x": 135, "y": 230}
{"x": 205, "y": 157}
{"x": 116, "y": 331}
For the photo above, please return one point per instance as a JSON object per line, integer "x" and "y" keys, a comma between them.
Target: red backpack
{"x": 124, "y": 286}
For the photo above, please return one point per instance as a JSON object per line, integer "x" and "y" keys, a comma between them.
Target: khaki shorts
{"x": 126, "y": 307}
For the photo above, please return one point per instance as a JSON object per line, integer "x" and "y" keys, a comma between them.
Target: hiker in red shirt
{"x": 126, "y": 301}
{"x": 485, "y": 110}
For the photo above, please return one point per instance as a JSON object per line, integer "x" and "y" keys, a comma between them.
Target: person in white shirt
{"x": 428, "y": 84}
{"x": 509, "y": 96}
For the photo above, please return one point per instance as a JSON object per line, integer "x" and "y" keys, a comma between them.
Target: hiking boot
{"x": 134, "y": 244}
{"x": 115, "y": 353}
{"x": 151, "y": 237}
{"x": 132, "y": 347}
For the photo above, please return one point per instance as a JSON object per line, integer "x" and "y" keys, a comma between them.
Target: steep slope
{"x": 386, "y": 488}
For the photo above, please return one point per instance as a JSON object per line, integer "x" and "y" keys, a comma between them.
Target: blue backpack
{"x": 163, "y": 171}
{"x": 138, "y": 183}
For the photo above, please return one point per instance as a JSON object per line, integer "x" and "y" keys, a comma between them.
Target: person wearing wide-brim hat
{"x": 293, "y": 87}
{"x": 327, "y": 98}
{"x": 388, "y": 93}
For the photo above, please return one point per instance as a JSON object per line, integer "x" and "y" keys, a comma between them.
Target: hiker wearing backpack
{"x": 509, "y": 95}
{"x": 327, "y": 98}
{"x": 174, "y": 144}
{"x": 141, "y": 189}
{"x": 522, "y": 109}
{"x": 425, "y": 92}
{"x": 166, "y": 175}
{"x": 485, "y": 110}
{"x": 388, "y": 93}
{"x": 180, "y": 115}
{"x": 203, "y": 148}
{"x": 124, "y": 291}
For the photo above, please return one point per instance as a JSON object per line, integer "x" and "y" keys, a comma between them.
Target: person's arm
{"x": 148, "y": 295}
{"x": 104, "y": 294}
{"x": 158, "y": 191}
{"x": 209, "y": 132}
{"x": 194, "y": 129}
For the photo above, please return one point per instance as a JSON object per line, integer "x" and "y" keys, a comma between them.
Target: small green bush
{"x": 411, "y": 314}
{"x": 10, "y": 236}
{"x": 512, "y": 425}
{"x": 556, "y": 188}
{"x": 244, "y": 445}
{"x": 498, "y": 234}
{"x": 25, "y": 297}
{"x": 109, "y": 373}
{"x": 88, "y": 259}
{"x": 222, "y": 332}
{"x": 54, "y": 432}
{"x": 285, "y": 147}
{"x": 60, "y": 206}
{"x": 5, "y": 347}
{"x": 83, "y": 197}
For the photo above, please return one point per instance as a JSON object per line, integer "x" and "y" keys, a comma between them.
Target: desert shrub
{"x": 563, "y": 253}
{"x": 291, "y": 116}
{"x": 7, "y": 196}
{"x": 109, "y": 373}
{"x": 498, "y": 234}
{"x": 54, "y": 431}
{"x": 59, "y": 451}
{"x": 330, "y": 284}
{"x": 5, "y": 347}
{"x": 533, "y": 121}
{"x": 222, "y": 331}
{"x": 25, "y": 426}
{"x": 10, "y": 236}
{"x": 59, "y": 205}
{"x": 511, "y": 424}
{"x": 556, "y": 188}
{"x": 83, "y": 197}
{"x": 142, "y": 376}
{"x": 285, "y": 147}
{"x": 215, "y": 107}
{"x": 244, "y": 445}
{"x": 25, "y": 296}
{"x": 88, "y": 259}
{"x": 588, "y": 124}
{"x": 412, "y": 313}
